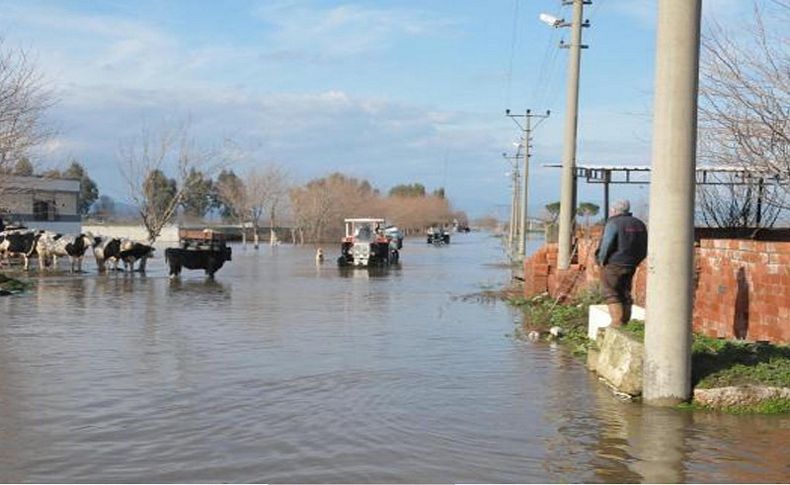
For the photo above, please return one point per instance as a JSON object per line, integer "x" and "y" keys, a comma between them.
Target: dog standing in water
{"x": 319, "y": 256}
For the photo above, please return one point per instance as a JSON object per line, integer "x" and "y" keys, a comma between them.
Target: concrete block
{"x": 599, "y": 318}
{"x": 638, "y": 313}
{"x": 620, "y": 361}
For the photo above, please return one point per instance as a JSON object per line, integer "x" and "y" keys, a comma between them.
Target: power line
{"x": 513, "y": 37}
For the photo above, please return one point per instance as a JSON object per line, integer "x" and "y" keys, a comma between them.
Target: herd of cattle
{"x": 49, "y": 246}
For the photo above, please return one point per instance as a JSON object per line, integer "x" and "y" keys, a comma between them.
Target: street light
{"x": 551, "y": 20}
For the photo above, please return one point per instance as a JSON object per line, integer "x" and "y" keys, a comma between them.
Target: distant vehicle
{"x": 369, "y": 242}
{"x": 438, "y": 236}
{"x": 198, "y": 249}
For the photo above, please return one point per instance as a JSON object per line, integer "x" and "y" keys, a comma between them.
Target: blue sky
{"x": 395, "y": 92}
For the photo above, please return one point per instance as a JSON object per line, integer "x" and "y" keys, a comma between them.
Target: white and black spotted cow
{"x": 107, "y": 250}
{"x": 54, "y": 246}
{"x": 20, "y": 243}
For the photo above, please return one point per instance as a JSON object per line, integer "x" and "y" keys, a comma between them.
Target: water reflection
{"x": 637, "y": 443}
{"x": 205, "y": 287}
{"x": 369, "y": 273}
{"x": 280, "y": 370}
{"x": 641, "y": 444}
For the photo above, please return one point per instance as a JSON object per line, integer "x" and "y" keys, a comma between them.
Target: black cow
{"x": 210, "y": 260}
{"x": 19, "y": 243}
{"x": 132, "y": 251}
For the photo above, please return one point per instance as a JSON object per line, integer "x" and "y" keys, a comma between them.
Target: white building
{"x": 41, "y": 202}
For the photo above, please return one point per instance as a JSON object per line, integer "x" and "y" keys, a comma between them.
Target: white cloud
{"x": 307, "y": 32}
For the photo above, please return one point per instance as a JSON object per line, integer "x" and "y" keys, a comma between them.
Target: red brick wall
{"x": 742, "y": 288}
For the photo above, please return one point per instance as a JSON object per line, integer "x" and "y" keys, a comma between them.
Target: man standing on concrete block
{"x": 623, "y": 246}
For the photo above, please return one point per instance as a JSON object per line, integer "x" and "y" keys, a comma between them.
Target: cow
{"x": 51, "y": 245}
{"x": 106, "y": 249}
{"x": 19, "y": 243}
{"x": 210, "y": 260}
{"x": 132, "y": 251}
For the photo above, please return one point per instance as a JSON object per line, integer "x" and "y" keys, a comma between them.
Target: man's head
{"x": 620, "y": 207}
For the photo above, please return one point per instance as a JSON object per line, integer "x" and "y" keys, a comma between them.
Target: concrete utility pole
{"x": 568, "y": 184}
{"x": 670, "y": 277}
{"x": 515, "y": 206}
{"x": 512, "y": 225}
{"x": 517, "y": 214}
{"x": 527, "y": 129}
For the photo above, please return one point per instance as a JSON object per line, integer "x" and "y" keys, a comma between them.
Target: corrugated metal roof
{"x": 17, "y": 182}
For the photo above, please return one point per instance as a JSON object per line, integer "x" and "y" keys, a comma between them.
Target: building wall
{"x": 66, "y": 203}
{"x": 57, "y": 226}
{"x": 135, "y": 232}
{"x": 742, "y": 286}
{"x": 20, "y": 194}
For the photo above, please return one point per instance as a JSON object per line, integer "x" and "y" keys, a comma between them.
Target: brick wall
{"x": 742, "y": 286}
{"x": 743, "y": 289}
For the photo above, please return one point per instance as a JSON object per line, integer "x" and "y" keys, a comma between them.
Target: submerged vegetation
{"x": 543, "y": 312}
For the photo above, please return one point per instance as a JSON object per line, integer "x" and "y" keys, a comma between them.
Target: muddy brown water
{"x": 284, "y": 371}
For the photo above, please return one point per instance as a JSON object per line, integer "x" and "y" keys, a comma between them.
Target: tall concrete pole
{"x": 512, "y": 229}
{"x": 568, "y": 183}
{"x": 670, "y": 277}
{"x": 522, "y": 240}
{"x": 516, "y": 225}
{"x": 511, "y": 242}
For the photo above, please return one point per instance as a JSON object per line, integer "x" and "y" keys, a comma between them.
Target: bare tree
{"x": 145, "y": 163}
{"x": 321, "y": 205}
{"x": 744, "y": 115}
{"x": 275, "y": 185}
{"x": 255, "y": 202}
{"x": 24, "y": 100}
{"x": 233, "y": 195}
{"x": 738, "y": 201}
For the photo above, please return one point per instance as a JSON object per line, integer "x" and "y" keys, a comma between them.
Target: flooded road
{"x": 282, "y": 371}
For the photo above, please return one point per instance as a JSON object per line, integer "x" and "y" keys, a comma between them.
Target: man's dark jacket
{"x": 624, "y": 241}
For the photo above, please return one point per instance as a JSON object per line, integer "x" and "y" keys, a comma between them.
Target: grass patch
{"x": 769, "y": 406}
{"x": 721, "y": 363}
{"x": 635, "y": 328}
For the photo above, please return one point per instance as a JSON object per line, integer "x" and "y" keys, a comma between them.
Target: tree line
{"x": 265, "y": 197}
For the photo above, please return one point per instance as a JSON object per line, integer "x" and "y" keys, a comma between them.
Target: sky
{"x": 389, "y": 91}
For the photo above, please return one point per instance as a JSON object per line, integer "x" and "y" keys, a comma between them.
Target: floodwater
{"x": 284, "y": 371}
